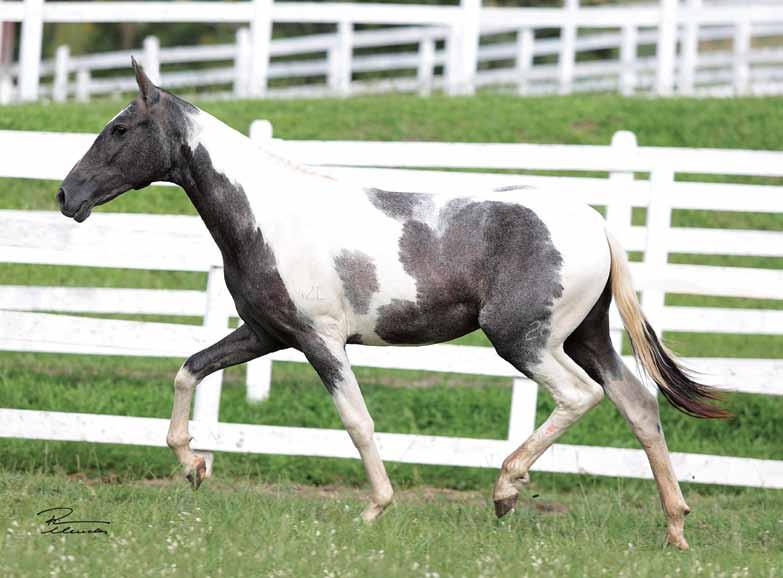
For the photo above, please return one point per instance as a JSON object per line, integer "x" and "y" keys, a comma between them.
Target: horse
{"x": 392, "y": 268}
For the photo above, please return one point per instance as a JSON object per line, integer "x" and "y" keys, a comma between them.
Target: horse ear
{"x": 149, "y": 92}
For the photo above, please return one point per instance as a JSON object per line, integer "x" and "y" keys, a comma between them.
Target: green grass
{"x": 238, "y": 530}
{"x": 248, "y": 527}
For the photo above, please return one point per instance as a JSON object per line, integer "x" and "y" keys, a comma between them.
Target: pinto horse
{"x": 394, "y": 269}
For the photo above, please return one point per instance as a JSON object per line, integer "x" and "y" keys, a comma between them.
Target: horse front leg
{"x": 240, "y": 346}
{"x": 331, "y": 363}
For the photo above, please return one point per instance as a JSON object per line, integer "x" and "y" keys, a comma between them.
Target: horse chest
{"x": 260, "y": 295}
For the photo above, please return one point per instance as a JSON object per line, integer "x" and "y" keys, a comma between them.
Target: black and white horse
{"x": 390, "y": 269}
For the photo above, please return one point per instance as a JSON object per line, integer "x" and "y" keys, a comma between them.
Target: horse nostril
{"x": 61, "y": 197}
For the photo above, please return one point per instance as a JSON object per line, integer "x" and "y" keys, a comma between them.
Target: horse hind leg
{"x": 590, "y": 346}
{"x": 640, "y": 409}
{"x": 574, "y": 393}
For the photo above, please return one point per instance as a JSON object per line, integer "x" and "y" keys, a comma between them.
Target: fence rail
{"x": 693, "y": 47}
{"x": 133, "y": 241}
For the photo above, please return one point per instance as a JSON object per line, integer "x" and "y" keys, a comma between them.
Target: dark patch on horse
{"x": 355, "y": 338}
{"x": 240, "y": 346}
{"x": 507, "y": 188}
{"x": 326, "y": 365}
{"x": 523, "y": 281}
{"x": 400, "y": 206}
{"x": 484, "y": 264}
{"x": 251, "y": 272}
{"x": 360, "y": 282}
{"x": 590, "y": 344}
{"x": 445, "y": 262}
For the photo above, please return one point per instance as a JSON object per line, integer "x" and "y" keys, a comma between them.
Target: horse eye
{"x": 119, "y": 129}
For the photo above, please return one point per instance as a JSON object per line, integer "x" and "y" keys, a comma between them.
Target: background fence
{"x": 689, "y": 47}
{"x": 133, "y": 241}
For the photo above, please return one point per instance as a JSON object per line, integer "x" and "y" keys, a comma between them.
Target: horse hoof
{"x": 504, "y": 506}
{"x": 197, "y": 472}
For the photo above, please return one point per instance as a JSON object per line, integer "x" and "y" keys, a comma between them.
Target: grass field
{"x": 256, "y": 519}
{"x": 241, "y": 528}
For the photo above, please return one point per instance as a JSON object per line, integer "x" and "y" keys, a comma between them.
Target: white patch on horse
{"x": 116, "y": 116}
{"x": 297, "y": 211}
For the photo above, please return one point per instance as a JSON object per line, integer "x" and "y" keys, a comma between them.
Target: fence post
{"x": 628, "y": 54}
{"x": 61, "y": 64}
{"x": 261, "y": 131}
{"x": 260, "y": 43}
{"x": 656, "y": 250}
{"x": 469, "y": 37}
{"x": 242, "y": 63}
{"x": 462, "y": 50}
{"x": 522, "y": 418}
{"x": 666, "y": 48}
{"x": 83, "y": 85}
{"x": 424, "y": 73}
{"x": 742, "y": 32}
{"x": 30, "y": 50}
{"x": 619, "y": 211}
{"x": 341, "y": 60}
{"x": 451, "y": 72}
{"x": 151, "y": 58}
{"x": 567, "y": 56}
{"x": 258, "y": 379}
{"x": 525, "y": 44}
{"x": 6, "y": 88}
{"x": 690, "y": 50}
{"x": 206, "y": 405}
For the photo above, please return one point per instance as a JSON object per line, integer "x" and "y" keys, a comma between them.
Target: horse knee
{"x": 184, "y": 380}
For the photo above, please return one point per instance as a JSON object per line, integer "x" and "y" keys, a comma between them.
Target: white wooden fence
{"x": 723, "y": 49}
{"x": 134, "y": 241}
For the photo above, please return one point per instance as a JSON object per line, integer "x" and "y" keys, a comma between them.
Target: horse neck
{"x": 221, "y": 167}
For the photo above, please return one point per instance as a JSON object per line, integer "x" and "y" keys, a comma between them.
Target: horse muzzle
{"x": 73, "y": 208}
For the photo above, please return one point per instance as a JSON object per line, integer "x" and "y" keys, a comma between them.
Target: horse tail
{"x": 663, "y": 367}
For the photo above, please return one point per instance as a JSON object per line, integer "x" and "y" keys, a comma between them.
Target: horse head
{"x": 137, "y": 147}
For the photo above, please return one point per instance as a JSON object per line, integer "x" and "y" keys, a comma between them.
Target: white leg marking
{"x": 640, "y": 409}
{"x": 178, "y": 438}
{"x": 357, "y": 421}
{"x": 575, "y": 393}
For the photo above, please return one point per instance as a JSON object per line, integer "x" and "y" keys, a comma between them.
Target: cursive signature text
{"x": 58, "y": 522}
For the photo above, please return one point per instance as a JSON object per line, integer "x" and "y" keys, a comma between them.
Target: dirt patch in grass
{"x": 339, "y": 492}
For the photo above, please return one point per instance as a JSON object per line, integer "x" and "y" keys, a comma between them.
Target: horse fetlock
{"x": 677, "y": 539}
{"x": 505, "y": 494}
{"x": 373, "y": 511}
{"x": 675, "y": 528}
{"x": 176, "y": 441}
{"x": 383, "y": 497}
